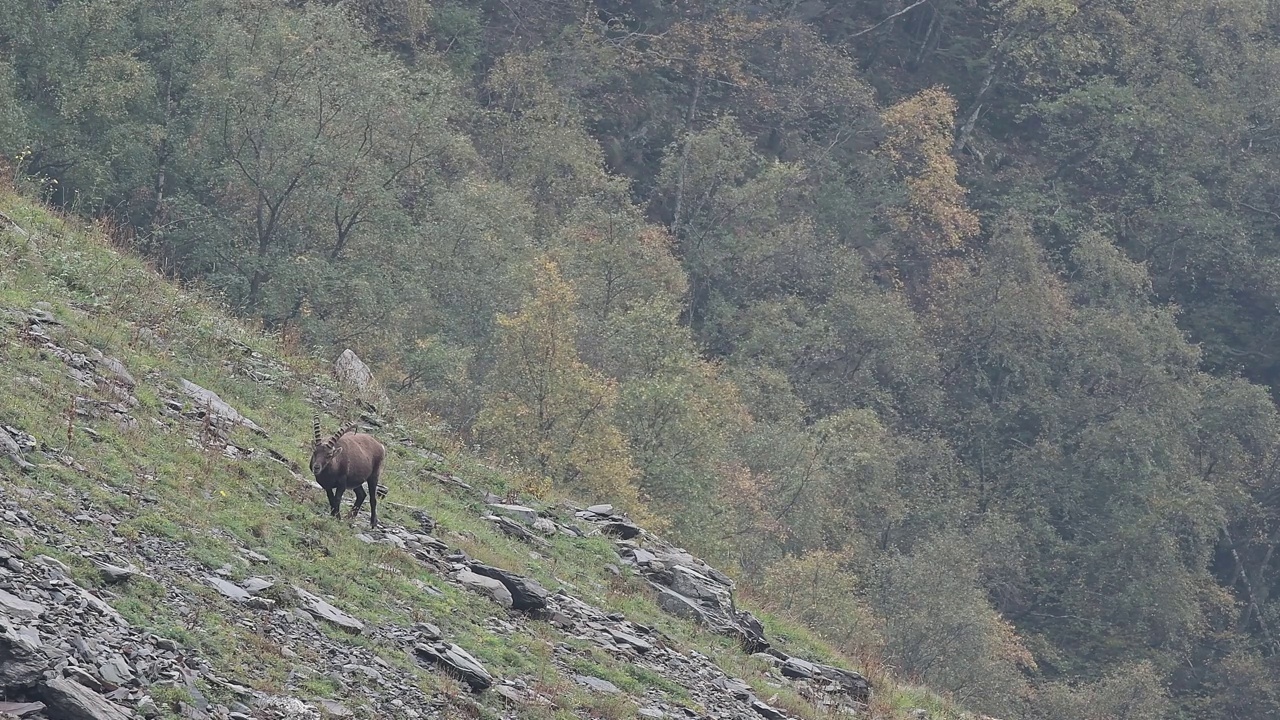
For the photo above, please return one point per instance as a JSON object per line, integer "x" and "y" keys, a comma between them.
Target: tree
{"x": 309, "y": 137}
{"x": 934, "y": 222}
{"x": 545, "y": 406}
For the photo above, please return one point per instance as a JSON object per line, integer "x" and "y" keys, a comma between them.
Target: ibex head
{"x": 323, "y": 452}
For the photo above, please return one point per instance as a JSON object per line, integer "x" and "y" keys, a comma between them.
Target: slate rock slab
{"x": 457, "y": 662}
{"x": 597, "y": 684}
{"x": 526, "y": 593}
{"x": 255, "y": 585}
{"x": 9, "y": 448}
{"x": 526, "y": 514}
{"x": 622, "y": 529}
{"x": 21, "y": 662}
{"x": 317, "y": 606}
{"x": 486, "y": 586}
{"x": 21, "y": 709}
{"x": 766, "y": 711}
{"x": 16, "y": 607}
{"x": 851, "y": 683}
{"x": 229, "y": 589}
{"x": 218, "y": 406}
{"x": 72, "y": 701}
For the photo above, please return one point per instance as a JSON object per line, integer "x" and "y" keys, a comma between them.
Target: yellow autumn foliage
{"x": 550, "y": 410}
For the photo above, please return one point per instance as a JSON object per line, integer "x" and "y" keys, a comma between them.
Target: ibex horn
{"x": 315, "y": 428}
{"x": 345, "y": 429}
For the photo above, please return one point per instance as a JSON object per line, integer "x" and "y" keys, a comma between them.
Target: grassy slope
{"x": 159, "y": 482}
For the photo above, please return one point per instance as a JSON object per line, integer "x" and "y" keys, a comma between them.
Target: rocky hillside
{"x": 164, "y": 554}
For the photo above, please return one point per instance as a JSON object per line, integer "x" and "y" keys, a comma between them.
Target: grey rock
{"x": 516, "y": 530}
{"x": 20, "y": 709}
{"x": 82, "y": 676}
{"x": 696, "y": 586}
{"x": 255, "y": 585}
{"x": 510, "y": 693}
{"x": 9, "y": 448}
{"x": 701, "y": 598}
{"x": 526, "y": 593}
{"x": 216, "y": 405}
{"x": 261, "y": 603}
{"x": 622, "y": 528}
{"x": 486, "y": 586}
{"x": 545, "y": 526}
{"x": 147, "y": 707}
{"x": 525, "y": 514}
{"x": 16, "y": 607}
{"x": 328, "y": 612}
{"x": 73, "y": 701}
{"x": 640, "y": 646}
{"x": 604, "y": 509}
{"x": 255, "y": 557}
{"x": 55, "y": 564}
{"x": 118, "y": 371}
{"x": 21, "y": 662}
{"x": 116, "y": 671}
{"x": 597, "y": 684}
{"x": 679, "y": 605}
{"x": 851, "y": 683}
{"x": 794, "y": 667}
{"x": 362, "y": 670}
{"x": 351, "y": 371}
{"x": 113, "y": 573}
{"x": 642, "y": 556}
{"x": 767, "y": 712}
{"x": 734, "y": 686}
{"x": 458, "y": 662}
{"x": 100, "y": 606}
{"x": 651, "y": 712}
{"x": 229, "y": 589}
{"x": 336, "y": 709}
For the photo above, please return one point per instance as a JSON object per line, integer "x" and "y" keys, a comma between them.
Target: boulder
{"x": 766, "y": 711}
{"x": 526, "y": 593}
{"x": 16, "y": 607}
{"x": 209, "y": 399}
{"x": 851, "y": 683}
{"x": 622, "y": 528}
{"x": 229, "y": 589}
{"x": 516, "y": 530}
{"x": 21, "y": 662}
{"x": 20, "y": 709}
{"x": 72, "y": 701}
{"x": 597, "y": 684}
{"x": 325, "y": 611}
{"x": 524, "y": 514}
{"x": 9, "y": 448}
{"x": 486, "y": 586}
{"x": 352, "y": 372}
{"x": 718, "y": 618}
{"x": 119, "y": 373}
{"x": 457, "y": 662}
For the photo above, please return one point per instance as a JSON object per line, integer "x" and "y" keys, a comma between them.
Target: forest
{"x": 945, "y": 324}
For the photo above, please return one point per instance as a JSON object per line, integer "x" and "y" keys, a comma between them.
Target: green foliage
{"x": 545, "y": 406}
{"x": 939, "y": 627}
{"x": 815, "y": 309}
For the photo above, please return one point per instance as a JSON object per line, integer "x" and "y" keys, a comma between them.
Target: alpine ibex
{"x": 347, "y": 460}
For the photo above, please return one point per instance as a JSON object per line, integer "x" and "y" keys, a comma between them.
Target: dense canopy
{"x": 965, "y": 308}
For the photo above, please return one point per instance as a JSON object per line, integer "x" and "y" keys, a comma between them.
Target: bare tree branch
{"x": 900, "y": 13}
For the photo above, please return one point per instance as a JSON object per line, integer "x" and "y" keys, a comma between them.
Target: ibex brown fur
{"x": 347, "y": 460}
